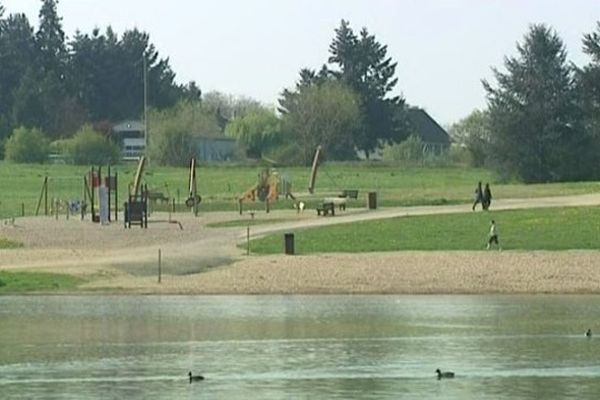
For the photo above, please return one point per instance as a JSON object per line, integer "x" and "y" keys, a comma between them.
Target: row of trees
{"x": 57, "y": 85}
{"x": 345, "y": 106}
{"x": 542, "y": 123}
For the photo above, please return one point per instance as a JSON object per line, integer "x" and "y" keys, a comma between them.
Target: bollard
{"x": 248, "y": 240}
{"x": 372, "y": 201}
{"x": 289, "y": 243}
{"x": 159, "y": 265}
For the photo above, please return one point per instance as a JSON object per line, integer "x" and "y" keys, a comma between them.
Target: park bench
{"x": 326, "y": 209}
{"x": 349, "y": 194}
{"x": 339, "y": 202}
{"x": 157, "y": 196}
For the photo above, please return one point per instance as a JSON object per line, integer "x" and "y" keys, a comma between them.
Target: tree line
{"x": 542, "y": 121}
{"x": 57, "y": 85}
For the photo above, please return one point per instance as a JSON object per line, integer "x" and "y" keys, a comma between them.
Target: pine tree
{"x": 588, "y": 83}
{"x": 533, "y": 112}
{"x": 363, "y": 64}
{"x": 51, "y": 39}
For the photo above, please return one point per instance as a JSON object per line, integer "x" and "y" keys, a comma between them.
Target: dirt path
{"x": 199, "y": 259}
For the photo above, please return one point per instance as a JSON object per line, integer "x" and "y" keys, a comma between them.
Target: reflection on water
{"x": 299, "y": 347}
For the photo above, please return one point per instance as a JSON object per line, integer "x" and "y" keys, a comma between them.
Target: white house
{"x": 129, "y": 135}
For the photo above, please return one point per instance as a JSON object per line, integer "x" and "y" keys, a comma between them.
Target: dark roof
{"x": 426, "y": 128}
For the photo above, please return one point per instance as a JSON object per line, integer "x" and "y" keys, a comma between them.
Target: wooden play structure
{"x": 61, "y": 195}
{"x": 313, "y": 170}
{"x": 270, "y": 185}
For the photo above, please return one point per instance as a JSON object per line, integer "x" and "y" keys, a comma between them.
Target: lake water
{"x": 299, "y": 347}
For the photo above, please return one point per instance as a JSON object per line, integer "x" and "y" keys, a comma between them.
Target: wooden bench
{"x": 157, "y": 196}
{"x": 339, "y": 202}
{"x": 326, "y": 209}
{"x": 350, "y": 194}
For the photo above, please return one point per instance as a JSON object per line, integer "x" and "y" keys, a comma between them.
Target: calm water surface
{"x": 299, "y": 347}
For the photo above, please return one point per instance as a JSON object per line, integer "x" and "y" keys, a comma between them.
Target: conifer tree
{"x": 534, "y": 118}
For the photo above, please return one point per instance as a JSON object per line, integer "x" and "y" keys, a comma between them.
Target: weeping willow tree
{"x": 173, "y": 134}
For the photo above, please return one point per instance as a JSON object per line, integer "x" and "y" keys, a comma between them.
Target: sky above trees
{"x": 256, "y": 48}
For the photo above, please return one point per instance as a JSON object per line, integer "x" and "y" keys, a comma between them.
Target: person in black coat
{"x": 478, "y": 197}
{"x": 486, "y": 199}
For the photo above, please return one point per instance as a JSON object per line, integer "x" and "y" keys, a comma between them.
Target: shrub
{"x": 26, "y": 146}
{"x": 409, "y": 151}
{"x": 90, "y": 147}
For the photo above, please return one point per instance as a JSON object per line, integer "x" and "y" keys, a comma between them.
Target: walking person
{"x": 487, "y": 197}
{"x": 493, "y": 236}
{"x": 478, "y": 198}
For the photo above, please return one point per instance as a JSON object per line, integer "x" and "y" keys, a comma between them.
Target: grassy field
{"x": 537, "y": 229}
{"x": 221, "y": 185}
{"x": 24, "y": 282}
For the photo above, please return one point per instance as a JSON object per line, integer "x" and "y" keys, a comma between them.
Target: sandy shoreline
{"x": 569, "y": 272}
{"x": 202, "y": 260}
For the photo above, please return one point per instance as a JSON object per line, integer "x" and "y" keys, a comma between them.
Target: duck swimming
{"x": 446, "y": 374}
{"x": 195, "y": 377}
{"x": 588, "y": 333}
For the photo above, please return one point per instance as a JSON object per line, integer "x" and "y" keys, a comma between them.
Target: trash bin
{"x": 289, "y": 243}
{"x": 372, "y": 201}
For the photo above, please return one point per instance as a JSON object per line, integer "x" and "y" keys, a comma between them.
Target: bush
{"x": 90, "y": 147}
{"x": 26, "y": 146}
{"x": 410, "y": 151}
{"x": 460, "y": 155}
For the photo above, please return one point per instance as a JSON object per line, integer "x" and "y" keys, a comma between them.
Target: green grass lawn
{"x": 24, "y": 282}
{"x": 538, "y": 229}
{"x": 220, "y": 185}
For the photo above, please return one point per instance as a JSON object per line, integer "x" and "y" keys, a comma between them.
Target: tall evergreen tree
{"x": 51, "y": 68}
{"x": 533, "y": 112}
{"x": 108, "y": 72}
{"x": 589, "y": 94}
{"x": 363, "y": 64}
{"x": 17, "y": 54}
{"x": 51, "y": 39}
{"x": 589, "y": 83}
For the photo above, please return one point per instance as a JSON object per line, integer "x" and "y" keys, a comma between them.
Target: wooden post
{"x": 46, "y": 196}
{"x": 22, "y": 209}
{"x": 248, "y": 240}
{"x": 116, "y": 196}
{"x": 92, "y": 196}
{"x": 109, "y": 189}
{"x": 159, "y": 265}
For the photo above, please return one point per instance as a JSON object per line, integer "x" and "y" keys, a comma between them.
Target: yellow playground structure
{"x": 270, "y": 185}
